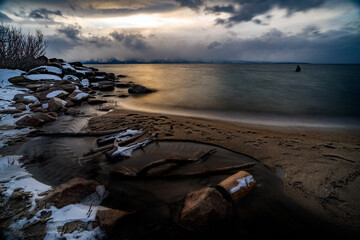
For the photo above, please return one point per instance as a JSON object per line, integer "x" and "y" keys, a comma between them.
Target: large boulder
{"x": 29, "y": 121}
{"x": 46, "y": 70}
{"x": 71, "y": 192}
{"x": 204, "y": 209}
{"x": 56, "y": 104}
{"x": 139, "y": 89}
{"x": 107, "y": 219}
{"x": 20, "y": 81}
{"x": 78, "y": 96}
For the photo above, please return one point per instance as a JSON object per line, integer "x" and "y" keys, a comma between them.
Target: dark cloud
{"x": 4, "y": 18}
{"x": 213, "y": 45}
{"x": 193, "y": 4}
{"x": 70, "y": 31}
{"x": 134, "y": 41}
{"x": 43, "y": 13}
{"x": 245, "y": 10}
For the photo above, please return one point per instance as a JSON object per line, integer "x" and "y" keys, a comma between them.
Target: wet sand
{"x": 319, "y": 167}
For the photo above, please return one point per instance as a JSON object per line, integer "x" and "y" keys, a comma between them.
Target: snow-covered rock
{"x": 39, "y": 77}
{"x": 45, "y": 70}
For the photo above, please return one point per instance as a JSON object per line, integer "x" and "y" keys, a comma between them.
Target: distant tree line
{"x": 19, "y": 50}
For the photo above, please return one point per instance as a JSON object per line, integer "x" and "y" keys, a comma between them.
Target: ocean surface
{"x": 319, "y": 95}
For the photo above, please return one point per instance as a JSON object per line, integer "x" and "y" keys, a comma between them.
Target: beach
{"x": 319, "y": 167}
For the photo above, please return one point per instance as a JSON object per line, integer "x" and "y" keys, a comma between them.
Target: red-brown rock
{"x": 108, "y": 218}
{"x": 203, "y": 209}
{"x": 29, "y": 121}
{"x": 71, "y": 192}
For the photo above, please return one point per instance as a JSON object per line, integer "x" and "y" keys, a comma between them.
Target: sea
{"x": 320, "y": 95}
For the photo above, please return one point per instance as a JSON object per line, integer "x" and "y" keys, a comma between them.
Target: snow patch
{"x": 242, "y": 183}
{"x": 85, "y": 82}
{"x": 38, "y": 77}
{"x": 127, "y": 151}
{"x": 49, "y": 69}
{"x": 70, "y": 77}
{"x": 55, "y": 93}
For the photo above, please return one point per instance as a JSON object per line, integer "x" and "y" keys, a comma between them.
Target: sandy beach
{"x": 319, "y": 167}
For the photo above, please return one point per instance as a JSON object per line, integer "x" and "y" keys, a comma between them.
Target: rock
{"x": 99, "y": 73}
{"x": 204, "y": 209}
{"x": 43, "y": 60}
{"x": 298, "y": 68}
{"x": 108, "y": 219}
{"x": 76, "y": 64}
{"x": 110, "y": 76}
{"x": 72, "y": 112}
{"x": 19, "y": 106}
{"x": 69, "y": 103}
{"x": 139, "y": 89}
{"x": 46, "y": 70}
{"x": 68, "y": 87}
{"x": 123, "y": 85}
{"x": 10, "y": 111}
{"x": 43, "y": 88}
{"x": 106, "y": 86}
{"x": 71, "y": 192}
{"x": 78, "y": 96}
{"x": 123, "y": 96}
{"x": 44, "y": 117}
{"x": 25, "y": 98}
{"x": 33, "y": 87}
{"x": 94, "y": 101}
{"x": 20, "y": 80}
{"x": 121, "y": 76}
{"x": 53, "y": 92}
{"x": 29, "y": 121}
{"x": 56, "y": 104}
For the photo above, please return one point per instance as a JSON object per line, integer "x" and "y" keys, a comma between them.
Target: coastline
{"x": 318, "y": 166}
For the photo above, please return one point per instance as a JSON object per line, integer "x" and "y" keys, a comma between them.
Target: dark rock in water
{"x": 71, "y": 192}
{"x": 123, "y": 85}
{"x": 106, "y": 86}
{"x": 29, "y": 121}
{"x": 139, "y": 89}
{"x": 121, "y": 76}
{"x": 204, "y": 209}
{"x": 44, "y": 117}
{"x": 123, "y": 96}
{"x": 100, "y": 73}
{"x": 298, "y": 68}
{"x": 93, "y": 101}
{"x": 72, "y": 112}
{"x": 107, "y": 219}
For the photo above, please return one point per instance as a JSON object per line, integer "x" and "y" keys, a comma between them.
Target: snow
{"x": 7, "y": 93}
{"x": 128, "y": 132}
{"x": 5, "y": 74}
{"x": 95, "y": 84}
{"x": 80, "y": 95}
{"x": 242, "y": 183}
{"x": 55, "y": 93}
{"x": 38, "y": 77}
{"x": 85, "y": 82}
{"x": 33, "y": 98}
{"x": 70, "y": 77}
{"x": 13, "y": 176}
{"x": 66, "y": 65}
{"x": 83, "y": 72}
{"x": 49, "y": 69}
{"x": 127, "y": 151}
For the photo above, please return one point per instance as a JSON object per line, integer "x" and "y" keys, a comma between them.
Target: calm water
{"x": 260, "y": 93}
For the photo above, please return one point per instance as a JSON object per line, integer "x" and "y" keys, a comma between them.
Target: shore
{"x": 319, "y": 167}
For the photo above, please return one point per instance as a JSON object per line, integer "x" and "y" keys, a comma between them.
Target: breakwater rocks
{"x": 59, "y": 86}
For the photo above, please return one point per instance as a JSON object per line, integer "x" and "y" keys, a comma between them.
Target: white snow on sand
{"x": 7, "y": 93}
{"x": 14, "y": 176}
{"x": 38, "y": 77}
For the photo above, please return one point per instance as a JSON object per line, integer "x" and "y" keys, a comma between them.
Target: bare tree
{"x": 18, "y": 50}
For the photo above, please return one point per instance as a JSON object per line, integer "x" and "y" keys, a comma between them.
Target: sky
{"x": 314, "y": 31}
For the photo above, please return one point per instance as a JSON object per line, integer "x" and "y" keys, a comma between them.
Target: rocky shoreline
{"x": 58, "y": 87}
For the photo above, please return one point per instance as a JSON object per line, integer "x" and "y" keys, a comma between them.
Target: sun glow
{"x": 136, "y": 21}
